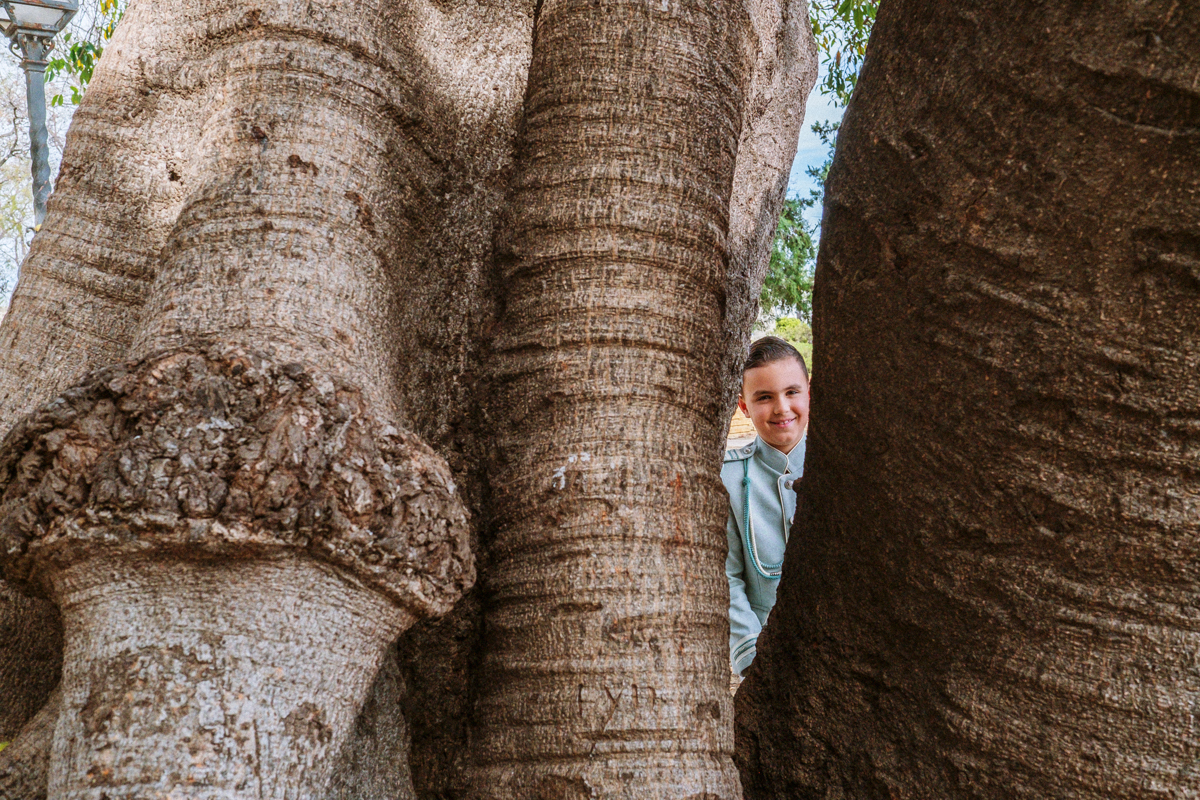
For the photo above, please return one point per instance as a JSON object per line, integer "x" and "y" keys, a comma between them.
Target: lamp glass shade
{"x": 37, "y": 16}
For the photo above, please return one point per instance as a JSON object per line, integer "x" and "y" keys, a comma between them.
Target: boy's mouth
{"x": 783, "y": 423}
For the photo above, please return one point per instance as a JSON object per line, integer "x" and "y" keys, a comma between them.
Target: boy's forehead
{"x": 784, "y": 372}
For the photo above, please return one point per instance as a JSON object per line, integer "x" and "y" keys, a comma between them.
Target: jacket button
{"x": 748, "y": 448}
{"x": 787, "y": 484}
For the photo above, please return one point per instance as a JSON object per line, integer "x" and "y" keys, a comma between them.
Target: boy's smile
{"x": 775, "y": 398}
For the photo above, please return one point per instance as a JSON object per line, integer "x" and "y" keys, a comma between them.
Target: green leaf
{"x": 78, "y": 62}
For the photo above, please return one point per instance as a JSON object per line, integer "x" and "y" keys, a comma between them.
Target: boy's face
{"x": 775, "y": 398}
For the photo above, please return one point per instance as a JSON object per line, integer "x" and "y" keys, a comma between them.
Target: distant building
{"x": 741, "y": 429}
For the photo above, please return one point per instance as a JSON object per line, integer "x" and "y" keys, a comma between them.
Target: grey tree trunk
{"x": 203, "y": 448}
{"x": 991, "y": 590}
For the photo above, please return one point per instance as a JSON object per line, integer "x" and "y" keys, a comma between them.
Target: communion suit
{"x": 757, "y": 533}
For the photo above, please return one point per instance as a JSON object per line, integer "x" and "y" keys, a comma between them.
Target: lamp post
{"x": 31, "y": 26}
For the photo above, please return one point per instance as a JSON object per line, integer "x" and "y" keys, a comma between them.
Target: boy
{"x": 775, "y": 398}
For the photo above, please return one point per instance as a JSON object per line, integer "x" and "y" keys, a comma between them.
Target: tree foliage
{"x": 798, "y": 334}
{"x": 788, "y": 285}
{"x": 787, "y": 288}
{"x": 85, "y": 45}
{"x": 842, "y": 28}
{"x": 793, "y": 330}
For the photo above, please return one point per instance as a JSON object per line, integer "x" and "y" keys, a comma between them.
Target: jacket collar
{"x": 778, "y": 462}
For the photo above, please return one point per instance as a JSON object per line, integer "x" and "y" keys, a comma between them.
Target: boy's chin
{"x": 781, "y": 440}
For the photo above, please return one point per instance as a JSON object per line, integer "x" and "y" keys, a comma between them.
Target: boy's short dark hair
{"x": 770, "y": 349}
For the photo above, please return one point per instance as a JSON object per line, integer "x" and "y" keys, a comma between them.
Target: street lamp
{"x": 30, "y": 27}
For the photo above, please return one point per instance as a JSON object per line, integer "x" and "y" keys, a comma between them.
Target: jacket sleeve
{"x": 744, "y": 626}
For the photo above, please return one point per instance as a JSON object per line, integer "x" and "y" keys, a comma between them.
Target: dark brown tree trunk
{"x": 30, "y": 657}
{"x": 991, "y": 590}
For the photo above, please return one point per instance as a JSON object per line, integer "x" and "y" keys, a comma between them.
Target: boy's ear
{"x": 742, "y": 405}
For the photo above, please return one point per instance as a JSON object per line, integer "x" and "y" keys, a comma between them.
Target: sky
{"x": 811, "y": 152}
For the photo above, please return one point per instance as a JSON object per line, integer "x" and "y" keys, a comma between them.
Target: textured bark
{"x": 237, "y": 678}
{"x": 233, "y": 545}
{"x": 119, "y": 188}
{"x": 124, "y": 175}
{"x": 991, "y": 590}
{"x": 604, "y": 669}
{"x": 30, "y": 657}
{"x": 25, "y": 764}
{"x": 225, "y": 454}
{"x": 374, "y": 763}
{"x": 440, "y": 654}
{"x": 306, "y": 226}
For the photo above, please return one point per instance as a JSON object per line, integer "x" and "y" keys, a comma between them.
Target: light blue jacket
{"x": 757, "y": 534}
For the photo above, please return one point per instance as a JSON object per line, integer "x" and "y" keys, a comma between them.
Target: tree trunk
{"x": 605, "y": 670}
{"x": 991, "y": 588}
{"x": 250, "y": 428}
{"x": 30, "y": 657}
{"x": 25, "y": 764}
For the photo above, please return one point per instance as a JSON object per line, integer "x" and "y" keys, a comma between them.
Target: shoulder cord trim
{"x": 769, "y": 571}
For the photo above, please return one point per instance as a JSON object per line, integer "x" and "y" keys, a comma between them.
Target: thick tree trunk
{"x": 254, "y": 431}
{"x": 233, "y": 545}
{"x": 992, "y": 586}
{"x": 605, "y": 669}
{"x": 125, "y": 173}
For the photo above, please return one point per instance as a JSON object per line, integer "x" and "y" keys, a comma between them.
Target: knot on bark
{"x": 223, "y": 453}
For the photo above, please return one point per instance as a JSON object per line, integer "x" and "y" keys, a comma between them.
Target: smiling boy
{"x": 759, "y": 478}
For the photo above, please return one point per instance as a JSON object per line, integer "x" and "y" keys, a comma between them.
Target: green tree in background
{"x": 787, "y": 288}
{"x": 798, "y": 333}
{"x": 794, "y": 330}
{"x": 788, "y": 285}
{"x": 842, "y": 28}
